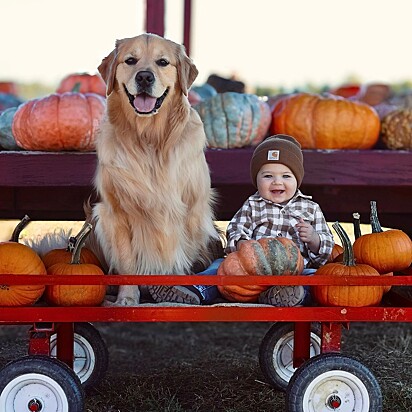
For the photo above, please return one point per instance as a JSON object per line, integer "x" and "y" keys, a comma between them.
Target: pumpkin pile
{"x": 268, "y": 256}
{"x": 19, "y": 259}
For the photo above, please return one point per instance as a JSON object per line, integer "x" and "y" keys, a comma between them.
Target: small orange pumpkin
{"x": 337, "y": 253}
{"x": 76, "y": 295}
{"x": 19, "y": 259}
{"x": 353, "y": 296}
{"x": 67, "y": 121}
{"x": 269, "y": 256}
{"x": 326, "y": 122}
{"x": 89, "y": 83}
{"x": 387, "y": 251}
{"x": 358, "y": 234}
{"x": 9, "y": 88}
{"x": 65, "y": 255}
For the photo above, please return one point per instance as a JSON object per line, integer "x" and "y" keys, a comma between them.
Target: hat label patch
{"x": 273, "y": 154}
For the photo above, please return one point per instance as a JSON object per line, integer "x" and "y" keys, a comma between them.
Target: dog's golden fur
{"x": 154, "y": 214}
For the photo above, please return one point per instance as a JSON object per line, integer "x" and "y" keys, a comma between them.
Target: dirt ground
{"x": 207, "y": 367}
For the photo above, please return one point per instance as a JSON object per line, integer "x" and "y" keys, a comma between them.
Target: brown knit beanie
{"x": 279, "y": 148}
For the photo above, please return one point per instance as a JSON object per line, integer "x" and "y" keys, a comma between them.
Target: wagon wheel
{"x": 332, "y": 382}
{"x": 40, "y": 383}
{"x": 276, "y": 353}
{"x": 91, "y": 357}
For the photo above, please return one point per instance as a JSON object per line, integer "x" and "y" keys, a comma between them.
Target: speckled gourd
{"x": 233, "y": 120}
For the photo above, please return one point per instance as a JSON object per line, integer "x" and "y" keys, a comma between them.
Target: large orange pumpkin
{"x": 326, "y": 122}
{"x": 268, "y": 256}
{"x": 19, "y": 259}
{"x": 387, "y": 251}
{"x": 353, "y": 296}
{"x": 89, "y": 83}
{"x": 67, "y": 121}
{"x": 75, "y": 295}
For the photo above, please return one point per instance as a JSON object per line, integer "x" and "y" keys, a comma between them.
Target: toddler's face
{"x": 276, "y": 182}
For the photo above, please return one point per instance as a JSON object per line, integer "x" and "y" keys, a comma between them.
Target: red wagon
{"x": 300, "y": 353}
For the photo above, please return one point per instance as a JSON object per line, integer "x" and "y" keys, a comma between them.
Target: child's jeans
{"x": 209, "y": 292}
{"x": 308, "y": 298}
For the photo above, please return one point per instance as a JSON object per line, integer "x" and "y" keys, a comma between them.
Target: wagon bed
{"x": 60, "y": 323}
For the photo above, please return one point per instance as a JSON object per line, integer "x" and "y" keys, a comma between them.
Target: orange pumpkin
{"x": 9, "y": 88}
{"x": 67, "y": 121}
{"x": 358, "y": 234}
{"x": 75, "y": 295}
{"x": 346, "y": 90}
{"x": 337, "y": 253}
{"x": 387, "y": 251}
{"x": 19, "y": 259}
{"x": 326, "y": 122}
{"x": 269, "y": 256}
{"x": 65, "y": 255}
{"x": 353, "y": 296}
{"x": 89, "y": 83}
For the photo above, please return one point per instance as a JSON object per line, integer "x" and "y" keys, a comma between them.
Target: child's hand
{"x": 308, "y": 235}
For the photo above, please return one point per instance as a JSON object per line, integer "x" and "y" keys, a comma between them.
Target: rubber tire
{"x": 275, "y": 353}
{"x": 310, "y": 382}
{"x": 49, "y": 380}
{"x": 92, "y": 359}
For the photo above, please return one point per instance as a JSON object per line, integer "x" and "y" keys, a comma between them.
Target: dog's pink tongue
{"x": 144, "y": 103}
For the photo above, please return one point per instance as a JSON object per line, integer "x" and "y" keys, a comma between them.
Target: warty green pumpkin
{"x": 268, "y": 256}
{"x": 233, "y": 120}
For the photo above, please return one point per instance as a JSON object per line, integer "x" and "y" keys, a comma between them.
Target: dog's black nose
{"x": 145, "y": 78}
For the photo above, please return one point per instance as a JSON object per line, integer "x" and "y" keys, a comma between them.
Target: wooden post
{"x": 155, "y": 17}
{"x": 187, "y": 25}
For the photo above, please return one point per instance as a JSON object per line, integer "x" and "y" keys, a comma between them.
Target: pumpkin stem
{"x": 376, "y": 226}
{"x": 356, "y": 225}
{"x": 81, "y": 239}
{"x": 74, "y": 239}
{"x": 76, "y": 87}
{"x": 348, "y": 257}
{"x": 18, "y": 229}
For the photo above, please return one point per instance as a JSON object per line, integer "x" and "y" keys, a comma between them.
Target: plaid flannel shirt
{"x": 259, "y": 218}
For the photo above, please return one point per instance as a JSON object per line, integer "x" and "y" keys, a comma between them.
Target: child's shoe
{"x": 178, "y": 294}
{"x": 283, "y": 296}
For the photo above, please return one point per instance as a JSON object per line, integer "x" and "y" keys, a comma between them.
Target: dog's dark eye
{"x": 131, "y": 61}
{"x": 162, "y": 62}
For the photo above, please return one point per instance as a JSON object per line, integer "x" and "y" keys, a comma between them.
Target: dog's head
{"x": 148, "y": 70}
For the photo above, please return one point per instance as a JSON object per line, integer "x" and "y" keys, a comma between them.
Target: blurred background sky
{"x": 269, "y": 43}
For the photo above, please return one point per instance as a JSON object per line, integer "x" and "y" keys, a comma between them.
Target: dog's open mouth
{"x": 143, "y": 103}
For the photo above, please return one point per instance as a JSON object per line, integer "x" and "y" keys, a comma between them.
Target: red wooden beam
{"x": 155, "y": 17}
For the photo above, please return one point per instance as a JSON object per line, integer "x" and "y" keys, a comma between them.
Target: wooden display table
{"x": 53, "y": 186}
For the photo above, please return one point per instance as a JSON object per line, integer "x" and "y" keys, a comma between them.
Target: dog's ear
{"x": 186, "y": 71}
{"x": 107, "y": 69}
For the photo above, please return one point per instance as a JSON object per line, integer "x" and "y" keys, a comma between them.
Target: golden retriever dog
{"x": 154, "y": 214}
